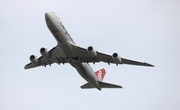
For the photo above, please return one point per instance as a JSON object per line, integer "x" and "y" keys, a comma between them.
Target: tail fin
{"x": 100, "y": 74}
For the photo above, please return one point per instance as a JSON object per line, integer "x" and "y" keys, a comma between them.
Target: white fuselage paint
{"x": 64, "y": 42}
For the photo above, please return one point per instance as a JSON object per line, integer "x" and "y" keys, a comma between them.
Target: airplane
{"x": 66, "y": 51}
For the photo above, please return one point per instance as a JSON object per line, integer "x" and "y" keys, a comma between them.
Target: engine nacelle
{"x": 44, "y": 52}
{"x": 33, "y": 60}
{"x": 116, "y": 58}
{"x": 91, "y": 51}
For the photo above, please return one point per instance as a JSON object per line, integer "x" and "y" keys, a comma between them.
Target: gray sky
{"x": 143, "y": 30}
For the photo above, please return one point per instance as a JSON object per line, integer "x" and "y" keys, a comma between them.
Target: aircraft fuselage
{"x": 64, "y": 42}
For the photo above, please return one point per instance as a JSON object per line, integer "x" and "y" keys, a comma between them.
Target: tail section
{"x": 101, "y": 84}
{"x": 100, "y": 74}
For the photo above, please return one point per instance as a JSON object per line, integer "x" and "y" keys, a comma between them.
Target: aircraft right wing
{"x": 90, "y": 55}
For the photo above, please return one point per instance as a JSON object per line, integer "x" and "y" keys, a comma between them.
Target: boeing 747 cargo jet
{"x": 66, "y": 51}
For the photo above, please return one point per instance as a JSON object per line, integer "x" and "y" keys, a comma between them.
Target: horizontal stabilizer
{"x": 86, "y": 86}
{"x": 102, "y": 85}
{"x": 108, "y": 85}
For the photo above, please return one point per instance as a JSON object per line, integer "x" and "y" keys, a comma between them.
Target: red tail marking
{"x": 100, "y": 74}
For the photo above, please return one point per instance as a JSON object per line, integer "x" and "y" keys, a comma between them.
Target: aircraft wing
{"x": 84, "y": 56}
{"x": 54, "y": 56}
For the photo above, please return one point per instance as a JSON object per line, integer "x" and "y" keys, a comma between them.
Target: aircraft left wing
{"x": 93, "y": 56}
{"x": 54, "y": 55}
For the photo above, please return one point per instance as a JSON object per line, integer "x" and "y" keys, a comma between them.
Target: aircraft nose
{"x": 47, "y": 16}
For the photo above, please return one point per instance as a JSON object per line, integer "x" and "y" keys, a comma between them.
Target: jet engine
{"x": 44, "y": 52}
{"x": 91, "y": 51}
{"x": 116, "y": 58}
{"x": 33, "y": 60}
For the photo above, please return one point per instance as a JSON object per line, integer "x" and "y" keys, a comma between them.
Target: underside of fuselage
{"x": 64, "y": 42}
{"x": 87, "y": 73}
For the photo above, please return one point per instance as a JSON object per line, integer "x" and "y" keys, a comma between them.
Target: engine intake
{"x": 44, "y": 52}
{"x": 33, "y": 60}
{"x": 116, "y": 58}
{"x": 91, "y": 51}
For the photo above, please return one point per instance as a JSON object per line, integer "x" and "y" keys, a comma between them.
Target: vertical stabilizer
{"x": 100, "y": 74}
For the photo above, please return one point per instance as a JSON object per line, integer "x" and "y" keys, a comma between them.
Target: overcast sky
{"x": 143, "y": 30}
